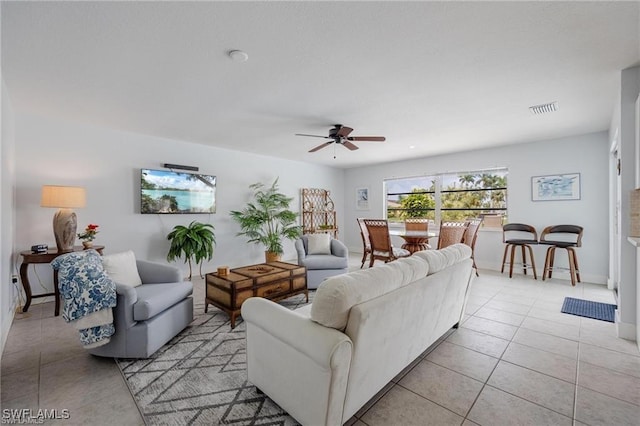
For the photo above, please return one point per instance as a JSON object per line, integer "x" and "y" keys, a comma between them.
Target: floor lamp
{"x": 65, "y": 223}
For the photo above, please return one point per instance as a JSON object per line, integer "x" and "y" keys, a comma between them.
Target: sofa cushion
{"x": 441, "y": 259}
{"x": 155, "y": 298}
{"x": 412, "y": 268}
{"x": 319, "y": 244}
{"x": 336, "y": 295}
{"x": 325, "y": 261}
{"x": 121, "y": 268}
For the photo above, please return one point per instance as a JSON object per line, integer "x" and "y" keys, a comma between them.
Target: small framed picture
{"x": 555, "y": 187}
{"x": 362, "y": 198}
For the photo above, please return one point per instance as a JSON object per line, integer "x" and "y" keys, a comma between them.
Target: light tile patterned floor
{"x": 515, "y": 360}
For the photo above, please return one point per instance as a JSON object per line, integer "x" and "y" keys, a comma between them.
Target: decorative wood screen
{"x": 318, "y": 213}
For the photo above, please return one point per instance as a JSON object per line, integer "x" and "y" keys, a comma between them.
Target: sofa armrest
{"x": 301, "y": 365}
{"x": 126, "y": 298}
{"x": 153, "y": 272}
{"x": 299, "y": 245}
{"x": 339, "y": 249}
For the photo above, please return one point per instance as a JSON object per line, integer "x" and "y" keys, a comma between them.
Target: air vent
{"x": 544, "y": 108}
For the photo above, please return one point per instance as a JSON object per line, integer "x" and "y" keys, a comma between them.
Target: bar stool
{"x": 565, "y": 237}
{"x": 526, "y": 237}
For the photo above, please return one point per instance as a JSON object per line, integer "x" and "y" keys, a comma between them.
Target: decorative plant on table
{"x": 89, "y": 235}
{"x": 194, "y": 242}
{"x": 268, "y": 219}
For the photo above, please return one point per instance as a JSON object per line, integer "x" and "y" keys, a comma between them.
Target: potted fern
{"x": 194, "y": 242}
{"x": 267, "y": 219}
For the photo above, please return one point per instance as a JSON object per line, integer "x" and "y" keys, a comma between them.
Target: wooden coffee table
{"x": 273, "y": 281}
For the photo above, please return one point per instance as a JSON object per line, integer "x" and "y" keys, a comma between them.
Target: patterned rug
{"x": 200, "y": 378}
{"x": 586, "y": 308}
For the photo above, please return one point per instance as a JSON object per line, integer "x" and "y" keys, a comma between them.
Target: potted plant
{"x": 89, "y": 235}
{"x": 195, "y": 242}
{"x": 267, "y": 219}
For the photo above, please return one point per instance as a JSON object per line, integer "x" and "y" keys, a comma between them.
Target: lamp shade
{"x": 64, "y": 197}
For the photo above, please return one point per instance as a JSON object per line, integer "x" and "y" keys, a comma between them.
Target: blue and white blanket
{"x": 88, "y": 294}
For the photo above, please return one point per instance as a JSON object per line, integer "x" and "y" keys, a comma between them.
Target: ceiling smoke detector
{"x": 544, "y": 108}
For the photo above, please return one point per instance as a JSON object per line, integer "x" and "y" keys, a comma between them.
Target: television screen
{"x": 169, "y": 192}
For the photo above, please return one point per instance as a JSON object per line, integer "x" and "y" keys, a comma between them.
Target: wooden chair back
{"x": 366, "y": 245}
{"x": 451, "y": 233}
{"x": 573, "y": 232}
{"x": 416, "y": 224}
{"x": 471, "y": 234}
{"x": 379, "y": 238}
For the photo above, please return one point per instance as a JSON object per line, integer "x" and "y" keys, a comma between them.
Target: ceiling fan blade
{"x": 319, "y": 147}
{"x": 367, "y": 138}
{"x": 349, "y": 145}
{"x": 313, "y": 136}
{"x": 343, "y": 132}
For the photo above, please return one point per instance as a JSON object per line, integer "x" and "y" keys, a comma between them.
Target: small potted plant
{"x": 88, "y": 235}
{"x": 195, "y": 242}
{"x": 267, "y": 220}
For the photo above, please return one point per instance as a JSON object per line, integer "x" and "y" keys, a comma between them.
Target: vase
{"x": 272, "y": 257}
{"x": 87, "y": 244}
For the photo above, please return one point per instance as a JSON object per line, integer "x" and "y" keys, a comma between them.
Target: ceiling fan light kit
{"x": 339, "y": 134}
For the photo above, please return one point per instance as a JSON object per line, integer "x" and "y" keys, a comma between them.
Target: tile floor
{"x": 515, "y": 360}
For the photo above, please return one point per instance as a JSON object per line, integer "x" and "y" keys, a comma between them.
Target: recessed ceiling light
{"x": 412, "y": 146}
{"x": 544, "y": 108}
{"x": 238, "y": 56}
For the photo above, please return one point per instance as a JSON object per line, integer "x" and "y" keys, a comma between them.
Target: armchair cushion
{"x": 121, "y": 268}
{"x": 155, "y": 298}
{"x": 325, "y": 261}
{"x": 319, "y": 244}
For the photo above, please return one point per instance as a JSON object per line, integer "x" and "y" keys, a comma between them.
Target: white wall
{"x": 7, "y": 290}
{"x": 108, "y": 163}
{"x": 585, "y": 154}
{"x": 627, "y": 291}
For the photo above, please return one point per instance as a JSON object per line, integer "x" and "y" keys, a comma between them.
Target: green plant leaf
{"x": 267, "y": 219}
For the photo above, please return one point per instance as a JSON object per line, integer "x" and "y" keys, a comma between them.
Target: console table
{"x": 28, "y": 258}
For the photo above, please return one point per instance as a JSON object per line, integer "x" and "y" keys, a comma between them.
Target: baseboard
{"x": 6, "y": 324}
{"x": 625, "y": 330}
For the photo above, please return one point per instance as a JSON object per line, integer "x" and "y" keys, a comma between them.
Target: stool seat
{"x": 523, "y": 241}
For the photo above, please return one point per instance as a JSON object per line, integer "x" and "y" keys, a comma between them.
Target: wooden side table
{"x": 28, "y": 258}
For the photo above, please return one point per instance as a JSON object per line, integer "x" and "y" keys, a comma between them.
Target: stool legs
{"x": 574, "y": 271}
{"x": 512, "y": 254}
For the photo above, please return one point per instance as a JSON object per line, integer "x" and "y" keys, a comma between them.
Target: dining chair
{"x": 451, "y": 233}
{"x": 380, "y": 240}
{"x": 416, "y": 224}
{"x": 470, "y": 236}
{"x": 519, "y": 235}
{"x": 366, "y": 245}
{"x": 565, "y": 237}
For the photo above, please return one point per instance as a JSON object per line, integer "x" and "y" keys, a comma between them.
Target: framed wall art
{"x": 362, "y": 198}
{"x": 555, "y": 187}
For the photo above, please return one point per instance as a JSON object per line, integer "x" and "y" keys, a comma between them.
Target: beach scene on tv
{"x": 172, "y": 192}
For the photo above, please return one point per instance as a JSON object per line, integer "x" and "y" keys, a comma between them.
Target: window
{"x": 449, "y": 196}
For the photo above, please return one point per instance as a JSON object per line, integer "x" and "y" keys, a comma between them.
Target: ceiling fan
{"x": 340, "y": 135}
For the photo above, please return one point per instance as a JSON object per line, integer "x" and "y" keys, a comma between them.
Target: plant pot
{"x": 272, "y": 256}
{"x": 87, "y": 244}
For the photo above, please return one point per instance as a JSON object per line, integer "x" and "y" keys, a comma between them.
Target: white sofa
{"x": 322, "y": 362}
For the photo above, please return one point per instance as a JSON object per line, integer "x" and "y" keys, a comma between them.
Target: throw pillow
{"x": 319, "y": 244}
{"x": 121, "y": 267}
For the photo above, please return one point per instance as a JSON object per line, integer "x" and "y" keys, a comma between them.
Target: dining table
{"x": 414, "y": 240}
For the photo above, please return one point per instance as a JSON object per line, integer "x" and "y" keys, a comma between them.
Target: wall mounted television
{"x": 169, "y": 192}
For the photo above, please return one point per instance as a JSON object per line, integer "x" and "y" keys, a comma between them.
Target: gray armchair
{"x": 148, "y": 316}
{"x": 321, "y": 266}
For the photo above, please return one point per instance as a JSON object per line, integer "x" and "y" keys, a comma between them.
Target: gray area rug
{"x": 200, "y": 378}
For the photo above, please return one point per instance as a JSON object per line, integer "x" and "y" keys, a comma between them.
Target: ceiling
{"x": 433, "y": 77}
